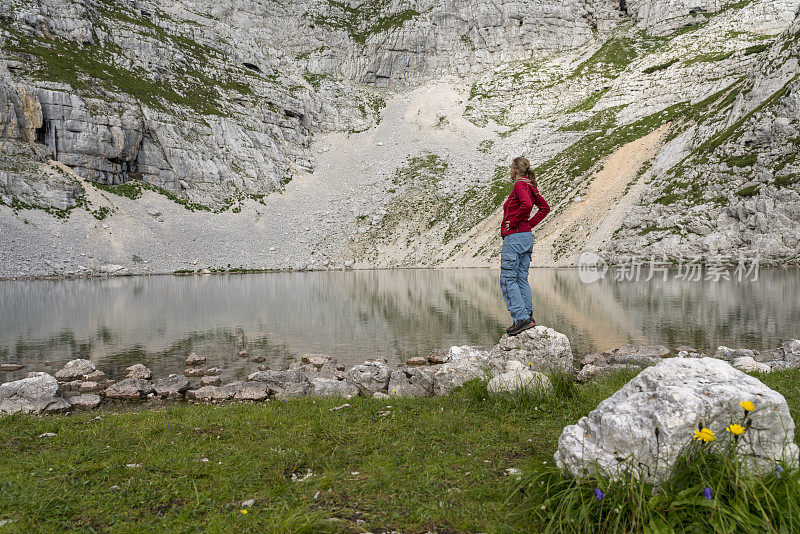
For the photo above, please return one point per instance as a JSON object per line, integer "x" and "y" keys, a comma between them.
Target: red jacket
{"x": 517, "y": 209}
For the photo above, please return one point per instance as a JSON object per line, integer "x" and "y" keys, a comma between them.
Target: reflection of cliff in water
{"x": 704, "y": 314}
{"x": 357, "y": 315}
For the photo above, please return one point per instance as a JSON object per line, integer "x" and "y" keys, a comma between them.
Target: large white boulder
{"x": 540, "y": 348}
{"x": 36, "y": 394}
{"x": 644, "y": 426}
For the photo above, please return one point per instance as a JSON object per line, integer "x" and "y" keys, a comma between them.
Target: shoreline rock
{"x": 514, "y": 363}
{"x": 645, "y": 426}
{"x": 38, "y": 393}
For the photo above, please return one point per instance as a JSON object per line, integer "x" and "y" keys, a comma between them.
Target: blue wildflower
{"x": 779, "y": 470}
{"x": 707, "y": 493}
{"x": 599, "y": 494}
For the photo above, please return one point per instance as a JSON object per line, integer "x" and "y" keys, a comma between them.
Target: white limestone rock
{"x": 464, "y": 364}
{"x": 411, "y": 382}
{"x": 254, "y": 391}
{"x": 523, "y": 379}
{"x": 195, "y": 360}
{"x": 728, "y": 354}
{"x": 317, "y": 360}
{"x": 331, "y": 387}
{"x": 140, "y": 371}
{"x": 35, "y": 394}
{"x": 542, "y": 349}
{"x": 86, "y": 401}
{"x": 171, "y": 387}
{"x": 370, "y": 377}
{"x": 212, "y": 393}
{"x": 129, "y": 389}
{"x": 749, "y": 365}
{"x": 644, "y": 426}
{"x": 75, "y": 370}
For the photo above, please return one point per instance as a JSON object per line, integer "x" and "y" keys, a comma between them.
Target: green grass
{"x": 430, "y": 464}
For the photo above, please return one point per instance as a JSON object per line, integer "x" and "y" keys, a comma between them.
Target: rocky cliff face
{"x": 218, "y": 105}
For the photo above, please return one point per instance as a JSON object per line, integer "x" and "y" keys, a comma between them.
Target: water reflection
{"x": 357, "y": 315}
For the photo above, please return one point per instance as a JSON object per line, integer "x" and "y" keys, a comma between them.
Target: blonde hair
{"x": 521, "y": 167}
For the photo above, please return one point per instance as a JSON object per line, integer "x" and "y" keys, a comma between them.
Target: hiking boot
{"x": 510, "y": 328}
{"x": 521, "y": 326}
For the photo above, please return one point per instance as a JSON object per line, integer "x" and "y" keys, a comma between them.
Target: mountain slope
{"x": 379, "y": 133}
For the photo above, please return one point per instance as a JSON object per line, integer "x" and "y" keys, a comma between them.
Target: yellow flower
{"x": 748, "y": 406}
{"x": 736, "y": 430}
{"x": 244, "y": 511}
{"x": 705, "y": 435}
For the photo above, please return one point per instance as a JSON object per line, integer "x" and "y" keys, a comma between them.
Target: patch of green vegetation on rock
{"x": 612, "y": 57}
{"x": 666, "y": 200}
{"x": 756, "y": 49}
{"x": 361, "y": 21}
{"x": 602, "y": 120}
{"x": 427, "y": 168}
{"x": 315, "y": 79}
{"x": 733, "y": 131}
{"x": 467, "y": 41}
{"x": 669, "y": 229}
{"x": 786, "y": 180}
{"x": 95, "y": 68}
{"x": 590, "y": 102}
{"x": 131, "y": 189}
{"x": 747, "y": 160}
{"x": 660, "y": 67}
{"x": 708, "y": 58}
{"x": 485, "y": 146}
{"x": 17, "y": 205}
{"x": 689, "y": 28}
{"x": 749, "y": 191}
{"x": 377, "y": 103}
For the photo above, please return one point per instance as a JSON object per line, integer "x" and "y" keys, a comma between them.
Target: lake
{"x": 357, "y": 315}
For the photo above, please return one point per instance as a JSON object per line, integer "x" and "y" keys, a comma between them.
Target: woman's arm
{"x": 544, "y": 208}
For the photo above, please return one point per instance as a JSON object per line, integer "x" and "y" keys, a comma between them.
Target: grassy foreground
{"x": 423, "y": 464}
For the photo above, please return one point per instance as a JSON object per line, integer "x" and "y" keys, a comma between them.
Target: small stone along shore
{"x": 515, "y": 362}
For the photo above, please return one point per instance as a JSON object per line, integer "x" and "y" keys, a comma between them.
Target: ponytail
{"x": 522, "y": 167}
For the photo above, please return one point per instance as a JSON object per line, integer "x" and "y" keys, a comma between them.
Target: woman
{"x": 515, "y": 258}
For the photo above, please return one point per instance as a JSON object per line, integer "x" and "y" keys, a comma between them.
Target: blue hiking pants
{"x": 515, "y": 260}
